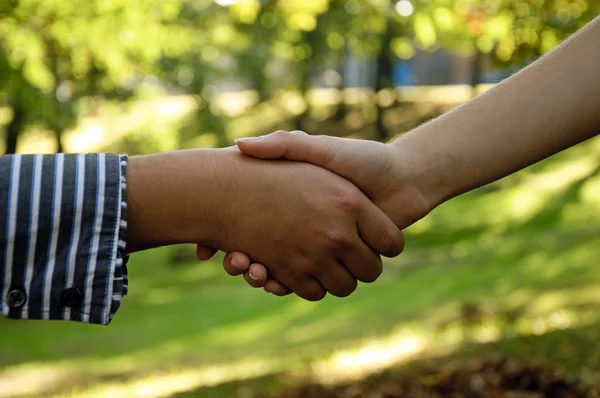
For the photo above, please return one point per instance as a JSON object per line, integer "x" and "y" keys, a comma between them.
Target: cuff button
{"x": 16, "y": 298}
{"x": 71, "y": 297}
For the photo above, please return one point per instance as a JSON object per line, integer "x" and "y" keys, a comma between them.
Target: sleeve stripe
{"x": 78, "y": 210}
{"x": 56, "y": 211}
{"x": 11, "y": 227}
{"x": 33, "y": 225}
{"x": 97, "y": 229}
{"x": 113, "y": 262}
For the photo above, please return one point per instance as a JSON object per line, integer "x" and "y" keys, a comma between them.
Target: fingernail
{"x": 248, "y": 139}
{"x": 234, "y": 263}
{"x": 252, "y": 276}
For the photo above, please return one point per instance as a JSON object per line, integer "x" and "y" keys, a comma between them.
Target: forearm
{"x": 549, "y": 106}
{"x": 170, "y": 197}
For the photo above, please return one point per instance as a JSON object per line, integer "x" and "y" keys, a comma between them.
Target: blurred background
{"x": 498, "y": 289}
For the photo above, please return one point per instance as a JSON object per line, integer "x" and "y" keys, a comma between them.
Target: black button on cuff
{"x": 71, "y": 297}
{"x": 16, "y": 298}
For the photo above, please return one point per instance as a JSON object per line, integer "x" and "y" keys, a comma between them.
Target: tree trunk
{"x": 341, "y": 110}
{"x": 259, "y": 81}
{"x": 303, "y": 87}
{"x": 14, "y": 129}
{"x": 476, "y": 67}
{"x": 258, "y": 73}
{"x": 305, "y": 68}
{"x": 59, "y": 144}
{"x": 384, "y": 80}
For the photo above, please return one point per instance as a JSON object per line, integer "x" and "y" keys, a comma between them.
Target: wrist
{"x": 169, "y": 199}
{"x": 425, "y": 167}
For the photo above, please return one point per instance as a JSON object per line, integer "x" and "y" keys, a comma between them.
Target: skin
{"x": 320, "y": 233}
{"x": 547, "y": 107}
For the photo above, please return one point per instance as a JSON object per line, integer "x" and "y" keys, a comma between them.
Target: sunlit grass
{"x": 331, "y": 340}
{"x": 357, "y": 360}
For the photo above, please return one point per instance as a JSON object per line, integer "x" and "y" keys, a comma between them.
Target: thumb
{"x": 204, "y": 253}
{"x": 296, "y": 145}
{"x": 364, "y": 163}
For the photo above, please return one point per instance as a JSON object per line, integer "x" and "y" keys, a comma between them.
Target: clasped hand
{"x": 342, "y": 229}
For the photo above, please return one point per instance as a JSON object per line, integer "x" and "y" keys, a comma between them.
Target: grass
{"x": 510, "y": 268}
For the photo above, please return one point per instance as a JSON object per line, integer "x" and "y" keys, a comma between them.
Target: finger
{"x": 236, "y": 263}
{"x": 378, "y": 231}
{"x": 276, "y": 288}
{"x": 307, "y": 288}
{"x": 204, "y": 253}
{"x": 299, "y": 146}
{"x": 362, "y": 262}
{"x": 337, "y": 280}
{"x": 299, "y": 282}
{"x": 256, "y": 276}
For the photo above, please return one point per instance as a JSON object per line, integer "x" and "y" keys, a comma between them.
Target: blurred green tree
{"x": 507, "y": 32}
{"x": 53, "y": 53}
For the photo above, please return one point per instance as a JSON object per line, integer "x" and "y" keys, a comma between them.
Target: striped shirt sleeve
{"x": 63, "y": 224}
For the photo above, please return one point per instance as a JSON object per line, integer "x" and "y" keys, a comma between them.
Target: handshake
{"x": 386, "y": 201}
{"x": 311, "y": 215}
{"x": 296, "y": 213}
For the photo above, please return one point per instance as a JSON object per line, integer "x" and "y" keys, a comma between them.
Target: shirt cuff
{"x": 63, "y": 244}
{"x": 120, "y": 279}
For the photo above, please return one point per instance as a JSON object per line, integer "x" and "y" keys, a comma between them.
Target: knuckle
{"x": 335, "y": 239}
{"x": 349, "y": 201}
{"x": 374, "y": 272}
{"x": 280, "y": 134}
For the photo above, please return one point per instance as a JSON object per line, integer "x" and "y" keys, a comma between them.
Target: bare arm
{"x": 549, "y": 106}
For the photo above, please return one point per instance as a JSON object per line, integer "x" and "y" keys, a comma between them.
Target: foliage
{"x": 55, "y": 53}
{"x": 511, "y": 30}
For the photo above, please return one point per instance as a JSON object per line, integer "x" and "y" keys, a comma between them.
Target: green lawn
{"x": 518, "y": 259}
